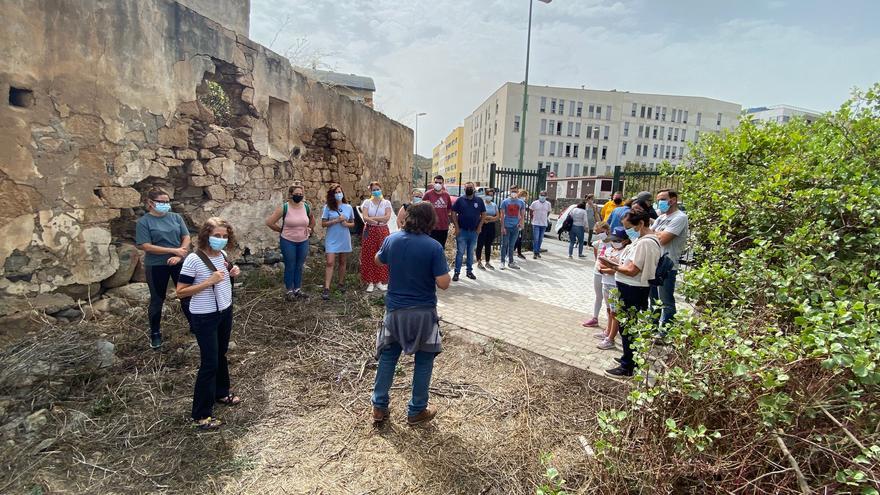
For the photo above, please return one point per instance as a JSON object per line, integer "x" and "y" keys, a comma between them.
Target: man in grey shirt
{"x": 672, "y": 230}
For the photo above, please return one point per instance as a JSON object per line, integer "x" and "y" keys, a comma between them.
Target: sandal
{"x": 229, "y": 400}
{"x": 207, "y": 424}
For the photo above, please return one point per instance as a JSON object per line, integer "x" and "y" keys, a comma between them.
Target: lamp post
{"x": 416, "y": 137}
{"x": 522, "y": 124}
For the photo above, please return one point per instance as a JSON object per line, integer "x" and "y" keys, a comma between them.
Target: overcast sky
{"x": 445, "y": 57}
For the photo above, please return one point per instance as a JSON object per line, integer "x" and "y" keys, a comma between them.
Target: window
{"x": 595, "y": 132}
{"x": 568, "y": 170}
{"x": 577, "y": 130}
{"x": 552, "y": 148}
{"x": 685, "y": 119}
{"x": 561, "y": 107}
{"x": 598, "y": 111}
{"x": 553, "y": 105}
{"x": 543, "y": 104}
{"x": 649, "y": 112}
{"x": 607, "y": 131}
{"x": 543, "y": 126}
{"x": 556, "y": 168}
{"x": 669, "y": 134}
{"x": 626, "y": 129}
{"x": 718, "y": 122}
{"x": 675, "y": 135}
{"x": 657, "y": 112}
{"x": 641, "y": 131}
{"x": 595, "y": 152}
{"x": 574, "y": 151}
{"x": 592, "y": 111}
{"x": 515, "y": 123}
{"x": 638, "y": 150}
{"x": 571, "y": 108}
{"x": 604, "y": 152}
{"x": 667, "y": 151}
{"x": 568, "y": 149}
{"x": 608, "y": 112}
{"x": 592, "y": 170}
{"x": 623, "y": 148}
{"x": 655, "y": 150}
{"x": 683, "y": 132}
{"x": 559, "y": 128}
{"x": 496, "y": 107}
{"x": 570, "y": 129}
{"x": 654, "y": 134}
{"x": 642, "y": 112}
{"x": 681, "y": 151}
{"x": 552, "y": 127}
{"x": 662, "y": 148}
{"x": 580, "y": 109}
{"x": 634, "y": 108}
{"x": 673, "y": 152}
{"x": 22, "y": 98}
{"x": 663, "y": 114}
{"x": 699, "y": 118}
{"x": 541, "y": 147}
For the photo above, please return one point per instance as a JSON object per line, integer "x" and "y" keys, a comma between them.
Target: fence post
{"x": 615, "y": 184}
{"x": 426, "y": 180}
{"x": 542, "y": 179}
{"x": 492, "y": 175}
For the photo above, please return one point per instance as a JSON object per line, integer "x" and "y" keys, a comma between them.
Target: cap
{"x": 619, "y": 234}
{"x": 644, "y": 196}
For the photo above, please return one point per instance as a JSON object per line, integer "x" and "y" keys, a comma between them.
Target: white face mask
{"x": 617, "y": 245}
{"x": 438, "y": 187}
{"x": 513, "y": 194}
{"x": 601, "y": 236}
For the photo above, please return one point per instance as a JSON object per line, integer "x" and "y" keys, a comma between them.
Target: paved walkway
{"x": 539, "y": 307}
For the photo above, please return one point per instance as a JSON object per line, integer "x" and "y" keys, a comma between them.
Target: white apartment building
{"x": 584, "y": 132}
{"x": 781, "y": 114}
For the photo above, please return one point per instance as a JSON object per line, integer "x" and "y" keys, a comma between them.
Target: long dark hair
{"x": 332, "y": 204}
{"x": 638, "y": 217}
{"x": 420, "y": 219}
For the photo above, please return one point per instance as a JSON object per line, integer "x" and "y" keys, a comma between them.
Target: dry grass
{"x": 306, "y": 371}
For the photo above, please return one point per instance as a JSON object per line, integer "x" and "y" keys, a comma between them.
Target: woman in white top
{"x": 376, "y": 212}
{"x": 636, "y": 268}
{"x": 206, "y": 277}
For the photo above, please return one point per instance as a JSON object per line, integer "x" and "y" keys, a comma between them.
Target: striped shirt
{"x": 212, "y": 299}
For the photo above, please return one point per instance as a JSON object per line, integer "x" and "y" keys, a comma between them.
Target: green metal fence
{"x": 532, "y": 181}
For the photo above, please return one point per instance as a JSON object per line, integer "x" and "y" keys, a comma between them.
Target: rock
{"x": 111, "y": 305}
{"x": 201, "y": 180}
{"x": 187, "y": 154}
{"x": 128, "y": 260}
{"x": 120, "y": 197}
{"x": 106, "y": 351}
{"x": 244, "y": 131}
{"x": 170, "y": 162}
{"x": 165, "y": 152}
{"x": 216, "y": 192}
{"x": 139, "y": 275}
{"x": 177, "y": 136}
{"x": 210, "y": 141}
{"x": 232, "y": 345}
{"x": 241, "y": 145}
{"x": 249, "y": 161}
{"x": 247, "y": 95}
{"x": 48, "y": 303}
{"x": 227, "y": 142}
{"x": 71, "y": 314}
{"x": 196, "y": 168}
{"x": 137, "y": 292}
{"x": 206, "y": 154}
{"x": 215, "y": 166}
{"x": 36, "y": 421}
{"x": 336, "y": 136}
{"x": 147, "y": 153}
{"x": 233, "y": 155}
{"x": 82, "y": 291}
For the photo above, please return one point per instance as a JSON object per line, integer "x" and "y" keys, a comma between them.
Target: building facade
{"x": 447, "y": 156}
{"x": 586, "y": 133}
{"x": 781, "y": 114}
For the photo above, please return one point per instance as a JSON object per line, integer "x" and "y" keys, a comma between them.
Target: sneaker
{"x": 325, "y": 294}
{"x": 382, "y": 286}
{"x": 289, "y": 296}
{"x": 520, "y": 255}
{"x": 599, "y": 335}
{"x": 606, "y": 344}
{"x": 299, "y": 294}
{"x": 539, "y": 255}
{"x": 535, "y": 256}
{"x": 569, "y": 256}
{"x": 489, "y": 266}
{"x": 503, "y": 266}
{"x": 207, "y": 424}
{"x": 592, "y": 322}
{"x": 156, "y": 342}
{"x": 455, "y": 277}
{"x": 379, "y": 415}
{"x": 618, "y": 360}
{"x": 471, "y": 276}
{"x": 619, "y": 372}
{"x": 371, "y": 287}
{"x": 341, "y": 289}
{"x": 514, "y": 266}
{"x": 422, "y": 417}
{"x": 480, "y": 266}
{"x": 582, "y": 256}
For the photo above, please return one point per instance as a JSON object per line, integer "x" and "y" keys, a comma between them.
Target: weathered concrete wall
{"x": 231, "y": 14}
{"x": 113, "y": 110}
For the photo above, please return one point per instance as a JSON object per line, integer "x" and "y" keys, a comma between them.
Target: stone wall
{"x": 103, "y": 104}
{"x": 231, "y": 14}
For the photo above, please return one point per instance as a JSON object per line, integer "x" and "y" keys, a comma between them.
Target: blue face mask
{"x": 163, "y": 207}
{"x": 339, "y": 196}
{"x": 542, "y": 198}
{"x": 663, "y": 206}
{"x": 416, "y": 200}
{"x": 377, "y": 194}
{"x": 217, "y": 243}
{"x": 633, "y": 234}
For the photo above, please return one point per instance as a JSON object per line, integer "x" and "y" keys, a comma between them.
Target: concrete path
{"x": 539, "y": 307}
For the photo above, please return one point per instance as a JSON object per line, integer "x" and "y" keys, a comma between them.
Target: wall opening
{"x": 279, "y": 126}
{"x": 20, "y": 97}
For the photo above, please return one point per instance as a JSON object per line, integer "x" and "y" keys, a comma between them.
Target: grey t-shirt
{"x": 578, "y": 217}
{"x": 674, "y": 223}
{"x": 166, "y": 231}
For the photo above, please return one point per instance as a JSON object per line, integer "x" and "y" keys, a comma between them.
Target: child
{"x": 602, "y": 243}
{"x": 619, "y": 244}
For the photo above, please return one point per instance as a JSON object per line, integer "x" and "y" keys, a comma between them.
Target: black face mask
{"x": 617, "y": 201}
{"x": 469, "y": 191}
{"x": 296, "y": 198}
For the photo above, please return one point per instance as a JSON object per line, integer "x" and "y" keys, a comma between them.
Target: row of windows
{"x": 571, "y": 169}
{"x": 657, "y": 132}
{"x": 573, "y": 129}
{"x": 676, "y": 115}
{"x": 575, "y": 108}
{"x": 660, "y": 150}
{"x": 570, "y": 150}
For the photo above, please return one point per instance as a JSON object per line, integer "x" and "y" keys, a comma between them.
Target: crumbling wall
{"x": 101, "y": 103}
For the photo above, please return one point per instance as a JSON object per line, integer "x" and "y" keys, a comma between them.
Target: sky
{"x": 445, "y": 57}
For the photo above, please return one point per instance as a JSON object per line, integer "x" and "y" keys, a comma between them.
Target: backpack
{"x": 284, "y": 207}
{"x": 567, "y": 224}
{"x": 664, "y": 268}
{"x": 210, "y": 265}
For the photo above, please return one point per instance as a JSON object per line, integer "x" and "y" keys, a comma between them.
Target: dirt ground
{"x": 305, "y": 371}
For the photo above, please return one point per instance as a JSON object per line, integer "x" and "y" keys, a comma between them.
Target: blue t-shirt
{"x": 338, "y": 237}
{"x": 511, "y": 209}
{"x": 469, "y": 212}
{"x": 166, "y": 231}
{"x": 414, "y": 261}
{"x": 491, "y": 208}
{"x": 616, "y": 218}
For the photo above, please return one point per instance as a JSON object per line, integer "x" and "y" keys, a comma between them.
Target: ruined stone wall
{"x": 100, "y": 103}
{"x": 232, "y": 14}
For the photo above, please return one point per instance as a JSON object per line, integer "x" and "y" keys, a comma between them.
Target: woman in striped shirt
{"x": 206, "y": 277}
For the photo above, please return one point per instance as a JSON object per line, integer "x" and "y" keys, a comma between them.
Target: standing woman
{"x": 592, "y": 217}
{"x": 578, "y": 223}
{"x": 163, "y": 235}
{"x": 487, "y": 234}
{"x": 524, "y": 197}
{"x": 205, "y": 277}
{"x": 297, "y": 223}
{"x": 401, "y": 213}
{"x": 376, "y": 212}
{"x": 337, "y": 217}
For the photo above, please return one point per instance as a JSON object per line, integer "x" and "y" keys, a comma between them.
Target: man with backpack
{"x": 671, "y": 228}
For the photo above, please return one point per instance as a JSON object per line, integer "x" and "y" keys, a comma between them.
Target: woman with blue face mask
{"x": 206, "y": 278}
{"x": 337, "y": 217}
{"x": 163, "y": 236}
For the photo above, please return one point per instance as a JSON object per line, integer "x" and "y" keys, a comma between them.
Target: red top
{"x": 441, "y": 203}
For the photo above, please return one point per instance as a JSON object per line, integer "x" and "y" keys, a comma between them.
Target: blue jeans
{"x": 666, "y": 294}
{"x": 465, "y": 239}
{"x": 508, "y": 241}
{"x": 538, "y": 237}
{"x": 212, "y": 331}
{"x": 420, "y": 384}
{"x": 294, "y": 254}
{"x": 576, "y": 234}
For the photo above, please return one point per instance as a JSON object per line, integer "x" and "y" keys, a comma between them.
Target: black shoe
{"x": 156, "y": 342}
{"x": 520, "y": 255}
{"x": 471, "y": 276}
{"x": 539, "y": 255}
{"x": 535, "y": 256}
{"x": 619, "y": 361}
{"x": 325, "y": 294}
{"x": 299, "y": 294}
{"x": 455, "y": 278}
{"x": 619, "y": 372}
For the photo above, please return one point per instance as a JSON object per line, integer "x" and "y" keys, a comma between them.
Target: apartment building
{"x": 781, "y": 114}
{"x": 585, "y": 132}
{"x": 447, "y": 156}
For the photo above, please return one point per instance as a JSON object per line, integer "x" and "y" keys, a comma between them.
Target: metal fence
{"x": 532, "y": 181}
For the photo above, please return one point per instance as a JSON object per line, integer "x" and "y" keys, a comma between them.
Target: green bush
{"x": 771, "y": 382}
{"x": 218, "y": 101}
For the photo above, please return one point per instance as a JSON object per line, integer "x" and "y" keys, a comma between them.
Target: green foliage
{"x": 783, "y": 342}
{"x": 553, "y": 483}
{"x": 218, "y": 101}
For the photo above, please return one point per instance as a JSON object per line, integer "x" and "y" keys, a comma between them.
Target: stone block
{"x": 337, "y": 136}
{"x": 256, "y": 173}
{"x": 210, "y": 141}
{"x": 171, "y": 162}
{"x": 137, "y": 292}
{"x": 241, "y": 145}
{"x": 147, "y": 153}
{"x": 216, "y": 192}
{"x": 247, "y": 95}
{"x": 164, "y": 152}
{"x": 249, "y": 161}
{"x": 187, "y": 154}
{"x": 196, "y": 168}
{"x": 177, "y": 136}
{"x": 226, "y": 141}
{"x": 233, "y": 155}
{"x": 215, "y": 166}
{"x": 128, "y": 260}
{"x": 112, "y": 305}
{"x": 201, "y": 180}
{"x": 48, "y": 303}
{"x": 206, "y": 154}
{"x": 140, "y": 274}
{"x": 120, "y": 197}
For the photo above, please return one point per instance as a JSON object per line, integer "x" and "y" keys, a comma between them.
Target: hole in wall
{"x": 296, "y": 152}
{"x": 20, "y": 97}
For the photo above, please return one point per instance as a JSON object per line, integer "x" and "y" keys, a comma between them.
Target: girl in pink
{"x": 376, "y": 212}
{"x": 296, "y": 227}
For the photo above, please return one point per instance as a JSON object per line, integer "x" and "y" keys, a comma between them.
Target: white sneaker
{"x": 371, "y": 287}
{"x": 382, "y": 286}
{"x": 503, "y": 265}
{"x": 514, "y": 266}
{"x": 606, "y": 344}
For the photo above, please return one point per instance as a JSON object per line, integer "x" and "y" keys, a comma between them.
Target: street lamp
{"x": 416, "y": 137}
{"x": 522, "y": 124}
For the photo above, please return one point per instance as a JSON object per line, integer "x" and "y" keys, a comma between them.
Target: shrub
{"x": 771, "y": 382}
{"x": 217, "y": 100}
